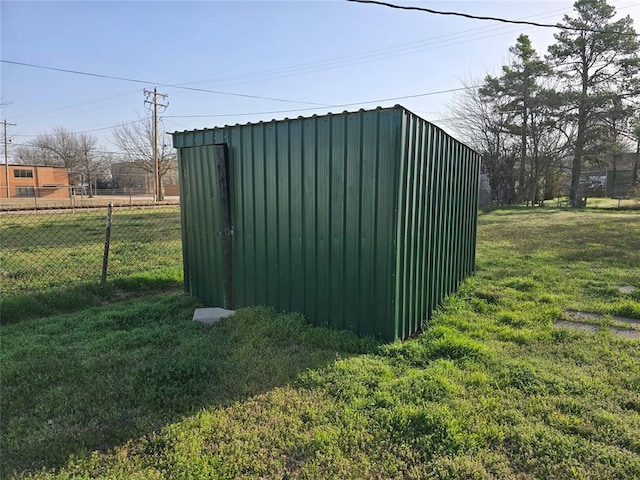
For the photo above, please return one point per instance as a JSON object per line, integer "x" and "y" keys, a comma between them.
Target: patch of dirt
{"x": 123, "y": 295}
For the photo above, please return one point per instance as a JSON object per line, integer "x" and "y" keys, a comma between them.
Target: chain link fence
{"x": 45, "y": 249}
{"x": 41, "y": 198}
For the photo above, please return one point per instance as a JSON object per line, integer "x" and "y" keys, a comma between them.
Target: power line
{"x": 86, "y": 131}
{"x": 320, "y": 65}
{"x": 495, "y": 19}
{"x": 364, "y": 57}
{"x": 384, "y": 52}
{"x": 81, "y": 112}
{"x": 337, "y": 62}
{"x": 439, "y": 92}
{"x": 369, "y": 56}
{"x": 80, "y": 104}
{"x": 110, "y": 126}
{"x": 28, "y": 145}
{"x": 146, "y": 82}
{"x": 310, "y": 67}
{"x": 381, "y": 100}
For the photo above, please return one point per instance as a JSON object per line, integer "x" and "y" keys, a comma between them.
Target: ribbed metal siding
{"x": 363, "y": 220}
{"x": 436, "y": 220}
{"x": 313, "y": 209}
{"x": 201, "y": 225}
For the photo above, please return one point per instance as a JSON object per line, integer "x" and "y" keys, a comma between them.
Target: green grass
{"x": 91, "y": 380}
{"x": 51, "y": 262}
{"x": 575, "y": 259}
{"x": 490, "y": 390}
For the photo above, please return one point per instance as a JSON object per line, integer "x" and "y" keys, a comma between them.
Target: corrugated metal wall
{"x": 436, "y": 220}
{"x": 312, "y": 209}
{"x": 362, "y": 220}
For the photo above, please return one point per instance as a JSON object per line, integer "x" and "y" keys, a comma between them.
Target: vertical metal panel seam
{"x": 374, "y": 231}
{"x": 240, "y": 154}
{"x": 398, "y": 121}
{"x": 428, "y": 227}
{"x": 314, "y": 165}
{"x": 289, "y": 223}
{"x": 344, "y": 320}
{"x": 330, "y": 219}
{"x": 359, "y": 242}
{"x": 449, "y": 203}
{"x": 184, "y": 222}
{"x": 399, "y": 229}
{"x": 437, "y": 287}
{"x": 455, "y": 254}
{"x": 422, "y": 216}
{"x": 277, "y": 209}
{"x": 414, "y": 241}
{"x": 420, "y": 287}
{"x": 460, "y": 236}
{"x": 265, "y": 215}
{"x": 254, "y": 247}
{"x": 303, "y": 223}
{"x": 471, "y": 212}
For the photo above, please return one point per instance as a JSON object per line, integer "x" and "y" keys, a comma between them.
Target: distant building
{"x": 619, "y": 180}
{"x": 484, "y": 194}
{"x": 613, "y": 178}
{"x": 131, "y": 178}
{"x": 23, "y": 181}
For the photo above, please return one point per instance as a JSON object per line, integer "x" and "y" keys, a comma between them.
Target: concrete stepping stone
{"x": 580, "y": 321}
{"x": 209, "y": 316}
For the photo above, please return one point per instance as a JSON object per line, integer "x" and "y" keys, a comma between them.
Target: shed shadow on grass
{"x": 92, "y": 380}
{"x": 17, "y": 307}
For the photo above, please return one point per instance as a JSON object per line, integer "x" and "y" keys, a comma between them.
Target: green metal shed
{"x": 363, "y": 220}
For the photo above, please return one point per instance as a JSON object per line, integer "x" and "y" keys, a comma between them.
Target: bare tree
{"x": 480, "y": 123}
{"x": 57, "y": 148}
{"x": 79, "y": 152}
{"x": 136, "y": 141}
{"x": 29, "y": 155}
{"x": 89, "y": 160}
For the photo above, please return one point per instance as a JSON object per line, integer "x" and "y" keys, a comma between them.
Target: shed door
{"x": 206, "y": 223}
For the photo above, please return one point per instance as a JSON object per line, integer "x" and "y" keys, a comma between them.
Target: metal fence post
{"x": 105, "y": 258}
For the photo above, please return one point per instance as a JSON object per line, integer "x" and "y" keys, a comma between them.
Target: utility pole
{"x": 6, "y": 153}
{"x": 157, "y": 188}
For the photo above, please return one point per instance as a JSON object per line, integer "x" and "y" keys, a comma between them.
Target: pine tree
{"x": 519, "y": 94}
{"x": 599, "y": 63}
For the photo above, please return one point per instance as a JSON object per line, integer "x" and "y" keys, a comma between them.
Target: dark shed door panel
{"x": 202, "y": 224}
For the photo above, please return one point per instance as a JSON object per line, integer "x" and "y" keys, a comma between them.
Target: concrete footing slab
{"x": 209, "y": 316}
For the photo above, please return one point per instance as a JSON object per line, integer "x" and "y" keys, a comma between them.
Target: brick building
{"x": 23, "y": 181}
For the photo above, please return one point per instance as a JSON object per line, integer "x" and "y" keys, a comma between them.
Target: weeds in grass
{"x": 490, "y": 390}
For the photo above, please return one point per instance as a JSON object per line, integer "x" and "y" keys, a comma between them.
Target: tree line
{"x": 540, "y": 120}
{"x": 88, "y": 163}
{"x": 547, "y": 118}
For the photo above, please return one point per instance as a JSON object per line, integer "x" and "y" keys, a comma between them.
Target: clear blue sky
{"x": 315, "y": 54}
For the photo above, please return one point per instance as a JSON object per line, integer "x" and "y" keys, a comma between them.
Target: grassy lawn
{"x": 490, "y": 390}
{"x": 59, "y": 255}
